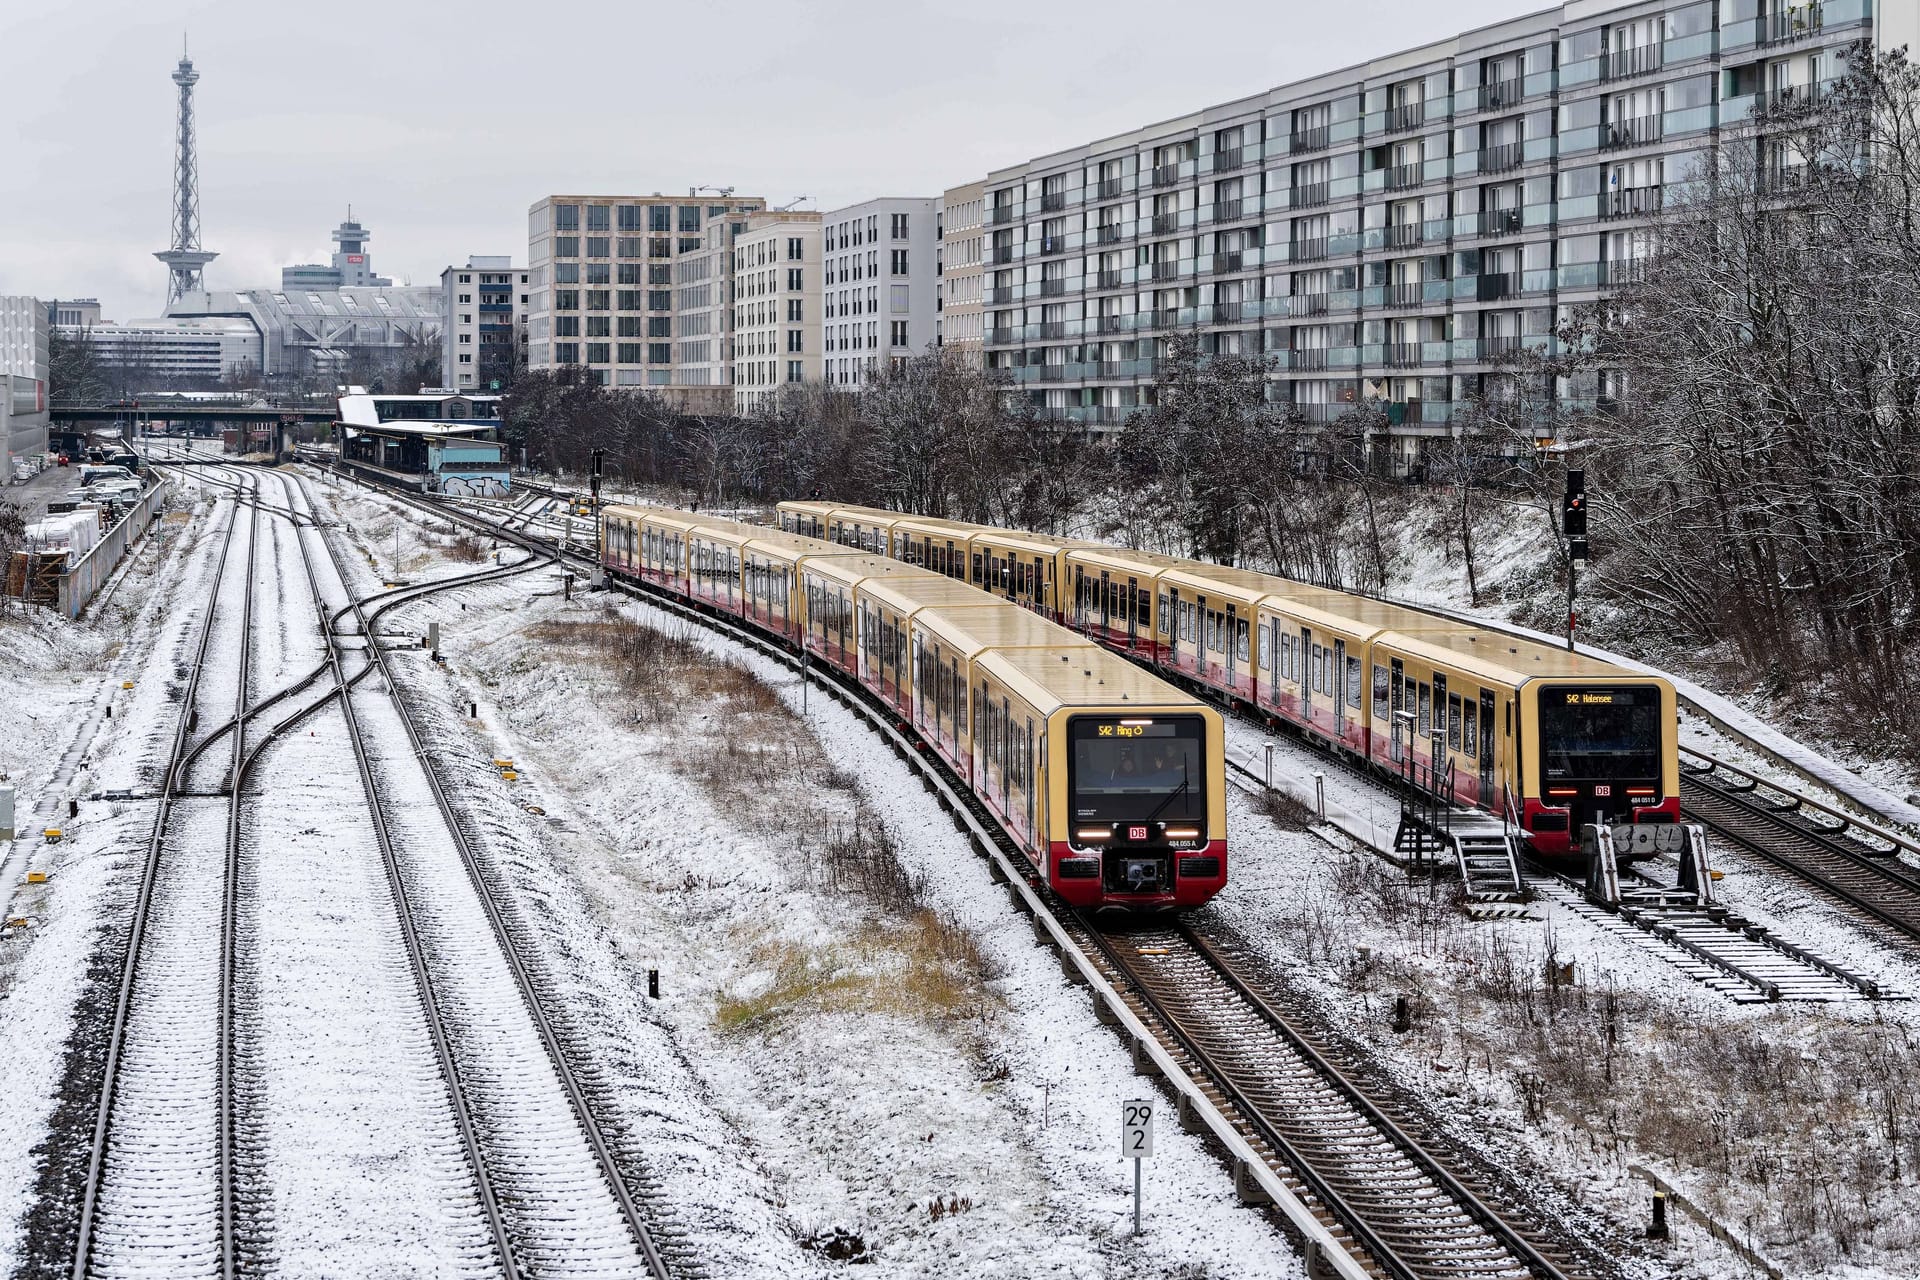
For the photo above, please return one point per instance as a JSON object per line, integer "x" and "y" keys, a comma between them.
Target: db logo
{"x": 1603, "y": 790}
{"x": 1136, "y": 833}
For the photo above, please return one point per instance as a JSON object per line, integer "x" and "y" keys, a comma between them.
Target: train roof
{"x": 932, "y": 524}
{"x": 1508, "y": 659}
{"x": 1122, "y": 557}
{"x": 846, "y": 565}
{"x": 1050, "y": 679}
{"x": 909, "y": 592}
{"x": 1000, "y": 627}
{"x": 1043, "y": 542}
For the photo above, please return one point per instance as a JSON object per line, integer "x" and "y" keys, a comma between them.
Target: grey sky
{"x": 441, "y": 123}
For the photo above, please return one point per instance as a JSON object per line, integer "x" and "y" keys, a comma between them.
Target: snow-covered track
{"x": 554, "y": 1195}
{"x": 159, "y": 1186}
{"x": 1868, "y": 869}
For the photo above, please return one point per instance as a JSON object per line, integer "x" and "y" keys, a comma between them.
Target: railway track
{"x": 1865, "y": 868}
{"x": 1386, "y": 1204}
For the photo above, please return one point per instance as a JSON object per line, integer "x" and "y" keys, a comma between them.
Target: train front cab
{"x": 1312, "y": 667}
{"x": 1602, "y": 747}
{"x": 1116, "y": 789}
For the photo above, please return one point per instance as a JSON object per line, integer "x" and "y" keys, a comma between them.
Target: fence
{"x": 78, "y": 584}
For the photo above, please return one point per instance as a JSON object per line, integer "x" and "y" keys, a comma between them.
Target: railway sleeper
{"x": 1143, "y": 1063}
{"x": 1104, "y": 1014}
{"x": 1248, "y": 1188}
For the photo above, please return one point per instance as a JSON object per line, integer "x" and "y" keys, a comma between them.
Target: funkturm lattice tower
{"x": 185, "y": 260}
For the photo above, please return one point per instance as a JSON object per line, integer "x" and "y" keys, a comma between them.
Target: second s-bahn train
{"x": 1544, "y": 737}
{"x": 1111, "y": 780}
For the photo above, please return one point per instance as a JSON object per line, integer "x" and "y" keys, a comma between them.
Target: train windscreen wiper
{"x": 1171, "y": 795}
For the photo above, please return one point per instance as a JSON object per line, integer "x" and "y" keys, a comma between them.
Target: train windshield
{"x": 1600, "y": 733}
{"x": 1138, "y": 769}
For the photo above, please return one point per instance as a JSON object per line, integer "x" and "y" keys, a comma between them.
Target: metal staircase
{"x": 1434, "y": 832}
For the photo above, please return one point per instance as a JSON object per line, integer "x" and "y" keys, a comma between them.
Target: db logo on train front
{"x": 1136, "y": 833}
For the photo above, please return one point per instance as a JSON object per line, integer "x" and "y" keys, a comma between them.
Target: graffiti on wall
{"x": 478, "y": 485}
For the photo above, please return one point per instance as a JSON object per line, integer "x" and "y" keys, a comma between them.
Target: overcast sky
{"x": 441, "y": 123}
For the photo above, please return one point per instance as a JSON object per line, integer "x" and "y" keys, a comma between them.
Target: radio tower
{"x": 185, "y": 259}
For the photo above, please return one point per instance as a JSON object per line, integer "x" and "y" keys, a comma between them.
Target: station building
{"x": 445, "y": 443}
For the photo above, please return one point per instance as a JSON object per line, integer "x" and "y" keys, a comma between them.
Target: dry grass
{"x": 1795, "y": 1126}
{"x": 1286, "y": 812}
{"x": 465, "y": 548}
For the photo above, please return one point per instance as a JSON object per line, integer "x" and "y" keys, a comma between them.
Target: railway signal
{"x": 593, "y": 474}
{"x": 1573, "y": 524}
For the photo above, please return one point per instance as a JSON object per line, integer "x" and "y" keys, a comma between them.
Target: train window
{"x": 1380, "y": 689}
{"x": 1240, "y": 640}
{"x": 1266, "y": 647}
{"x": 1453, "y": 721}
{"x": 1163, "y": 614}
{"x": 1469, "y": 739}
{"x": 1143, "y": 605}
{"x": 1314, "y": 671}
{"x": 1353, "y": 683}
{"x": 1426, "y": 709}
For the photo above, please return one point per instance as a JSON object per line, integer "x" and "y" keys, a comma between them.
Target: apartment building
{"x": 963, "y": 246}
{"x": 879, "y": 298}
{"x": 1387, "y": 233}
{"x": 607, "y": 288}
{"x": 776, "y": 306}
{"x": 483, "y": 323}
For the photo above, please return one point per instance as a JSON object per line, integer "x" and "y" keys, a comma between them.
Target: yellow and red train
{"x": 1547, "y": 738}
{"x": 1111, "y": 780}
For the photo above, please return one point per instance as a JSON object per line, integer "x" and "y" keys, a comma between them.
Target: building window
{"x": 466, "y": 357}
{"x": 793, "y": 278}
{"x": 599, "y": 273}
{"x": 629, "y": 353}
{"x": 659, "y": 326}
{"x": 598, "y": 216}
{"x": 660, "y": 300}
{"x": 598, "y": 247}
{"x": 796, "y": 308}
{"x": 689, "y": 217}
{"x": 793, "y": 370}
{"x": 795, "y": 341}
{"x": 566, "y": 217}
{"x": 627, "y": 300}
{"x": 796, "y": 249}
{"x": 629, "y": 217}
{"x": 466, "y": 337}
{"x": 899, "y": 226}
{"x": 599, "y": 353}
{"x": 566, "y": 246}
{"x": 898, "y": 296}
{"x": 899, "y": 262}
{"x": 566, "y": 326}
{"x": 629, "y": 273}
{"x": 566, "y": 299}
{"x": 602, "y": 326}
{"x": 689, "y": 244}
{"x": 630, "y": 327}
{"x": 599, "y": 299}
{"x": 659, "y": 218}
{"x": 566, "y": 273}
{"x": 659, "y": 353}
{"x": 566, "y": 353}
{"x": 899, "y": 333}
{"x": 465, "y": 299}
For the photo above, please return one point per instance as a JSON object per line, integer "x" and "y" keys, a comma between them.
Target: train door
{"x": 1229, "y": 641}
{"x": 979, "y": 568}
{"x": 1076, "y": 611}
{"x": 1398, "y": 705}
{"x": 1038, "y": 588}
{"x": 1309, "y": 673}
{"x": 1132, "y": 604}
{"x": 1026, "y": 778}
{"x": 1106, "y": 599}
{"x": 1340, "y": 688}
{"x": 1487, "y": 796}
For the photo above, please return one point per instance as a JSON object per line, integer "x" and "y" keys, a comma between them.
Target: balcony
{"x": 1108, "y": 234}
{"x": 1000, "y": 215}
{"x": 1050, "y": 245}
{"x": 1229, "y": 312}
{"x": 1500, "y": 348}
{"x": 1497, "y": 159}
{"x": 1167, "y": 318}
{"x": 1500, "y": 94}
{"x": 1402, "y": 235}
{"x": 1404, "y": 294}
{"x": 1400, "y": 355}
{"x": 1637, "y": 132}
{"x": 1790, "y": 24}
{"x": 1110, "y": 324}
{"x": 1313, "y": 193}
{"x": 1307, "y": 250}
{"x": 1307, "y": 304}
{"x": 1500, "y": 222}
{"x": 1053, "y": 288}
{"x": 1408, "y": 115}
{"x": 1002, "y": 254}
{"x": 1309, "y": 359}
{"x": 1000, "y": 297}
{"x": 1403, "y": 175}
{"x": 1779, "y": 179}
{"x": 1229, "y": 261}
{"x": 1494, "y": 287}
{"x": 1633, "y": 202}
{"x": 1166, "y": 175}
{"x": 1621, "y": 63}
{"x": 1053, "y": 201}
{"x": 1115, "y": 369}
{"x": 1318, "y": 138}
{"x": 1053, "y": 373}
{"x": 1108, "y": 280}
{"x": 1165, "y": 222}
{"x": 1108, "y": 188}
{"x": 1166, "y": 270}
{"x": 1229, "y": 210}
{"x": 1000, "y": 337}
{"x": 1053, "y": 330}
{"x": 1227, "y": 160}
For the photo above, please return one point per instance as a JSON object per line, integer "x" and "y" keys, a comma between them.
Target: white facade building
{"x": 963, "y": 254}
{"x": 174, "y": 351}
{"x": 879, "y": 297}
{"x": 776, "y": 306}
{"x": 483, "y": 323}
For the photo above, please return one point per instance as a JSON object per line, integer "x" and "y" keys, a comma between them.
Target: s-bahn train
{"x": 1111, "y": 780}
{"x": 1546, "y": 738}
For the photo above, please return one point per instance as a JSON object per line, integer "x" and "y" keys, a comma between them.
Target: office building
{"x": 776, "y": 306}
{"x": 23, "y": 381}
{"x": 173, "y": 354}
{"x": 1390, "y": 232}
{"x": 73, "y": 311}
{"x": 483, "y": 323}
{"x": 606, "y": 291}
{"x": 962, "y": 252}
{"x": 352, "y": 265}
{"x": 878, "y": 299}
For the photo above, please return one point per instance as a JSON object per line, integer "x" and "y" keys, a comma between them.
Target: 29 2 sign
{"x": 1136, "y": 1129}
